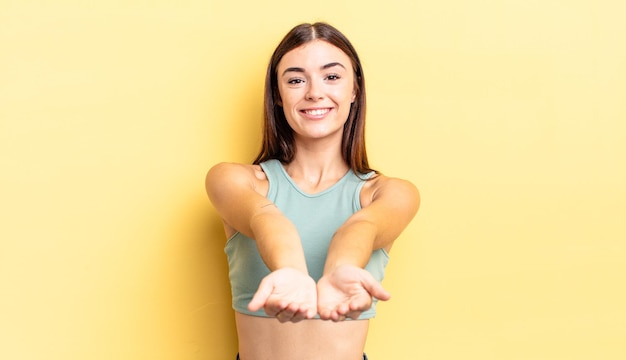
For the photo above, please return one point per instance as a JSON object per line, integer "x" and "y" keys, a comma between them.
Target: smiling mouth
{"x": 316, "y": 112}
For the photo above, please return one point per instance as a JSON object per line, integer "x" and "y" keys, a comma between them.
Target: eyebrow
{"x": 324, "y": 67}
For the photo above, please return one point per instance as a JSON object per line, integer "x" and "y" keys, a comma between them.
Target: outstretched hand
{"x": 346, "y": 292}
{"x": 288, "y": 294}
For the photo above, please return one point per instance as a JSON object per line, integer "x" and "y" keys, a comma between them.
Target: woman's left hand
{"x": 346, "y": 292}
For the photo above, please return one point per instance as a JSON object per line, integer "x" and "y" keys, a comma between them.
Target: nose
{"x": 314, "y": 91}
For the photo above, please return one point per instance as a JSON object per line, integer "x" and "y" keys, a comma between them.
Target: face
{"x": 316, "y": 86}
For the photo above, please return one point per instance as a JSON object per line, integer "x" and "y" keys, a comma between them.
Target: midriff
{"x": 262, "y": 338}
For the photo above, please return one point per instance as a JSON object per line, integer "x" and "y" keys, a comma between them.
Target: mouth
{"x": 316, "y": 112}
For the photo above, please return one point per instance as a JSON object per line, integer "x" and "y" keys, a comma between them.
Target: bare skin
{"x": 316, "y": 85}
{"x": 267, "y": 339}
{"x": 343, "y": 292}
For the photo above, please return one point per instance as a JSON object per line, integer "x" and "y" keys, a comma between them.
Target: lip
{"x": 316, "y": 113}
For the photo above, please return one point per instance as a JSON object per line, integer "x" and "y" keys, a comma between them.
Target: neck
{"x": 317, "y": 167}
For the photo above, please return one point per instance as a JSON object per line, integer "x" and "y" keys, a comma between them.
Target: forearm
{"x": 374, "y": 227}
{"x": 232, "y": 189}
{"x": 278, "y": 242}
{"x": 352, "y": 244}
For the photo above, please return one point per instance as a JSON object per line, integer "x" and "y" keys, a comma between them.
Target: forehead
{"x": 314, "y": 55}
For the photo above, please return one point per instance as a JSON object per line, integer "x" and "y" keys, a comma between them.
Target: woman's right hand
{"x": 287, "y": 294}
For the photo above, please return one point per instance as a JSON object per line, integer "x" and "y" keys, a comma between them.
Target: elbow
{"x": 217, "y": 179}
{"x": 410, "y": 202}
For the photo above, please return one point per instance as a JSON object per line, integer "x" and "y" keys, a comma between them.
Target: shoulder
{"x": 400, "y": 191}
{"x": 226, "y": 175}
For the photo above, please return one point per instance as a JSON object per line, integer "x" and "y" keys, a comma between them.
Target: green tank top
{"x": 315, "y": 216}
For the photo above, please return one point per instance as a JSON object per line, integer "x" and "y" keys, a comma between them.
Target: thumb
{"x": 375, "y": 288}
{"x": 262, "y": 294}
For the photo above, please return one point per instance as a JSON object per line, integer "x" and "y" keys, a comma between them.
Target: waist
{"x": 266, "y": 338}
{"x": 364, "y": 357}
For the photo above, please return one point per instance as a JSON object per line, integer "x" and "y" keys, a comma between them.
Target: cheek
{"x": 349, "y": 93}
{"x": 288, "y": 105}
{"x": 288, "y": 98}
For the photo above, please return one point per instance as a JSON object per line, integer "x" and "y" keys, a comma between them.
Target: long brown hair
{"x": 278, "y": 139}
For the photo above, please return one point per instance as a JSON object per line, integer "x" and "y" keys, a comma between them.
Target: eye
{"x": 333, "y": 77}
{"x": 295, "y": 81}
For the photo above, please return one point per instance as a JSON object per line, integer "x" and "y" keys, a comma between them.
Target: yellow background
{"x": 510, "y": 116}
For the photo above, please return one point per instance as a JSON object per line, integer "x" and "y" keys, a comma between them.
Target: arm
{"x": 233, "y": 190}
{"x": 393, "y": 205}
{"x": 346, "y": 289}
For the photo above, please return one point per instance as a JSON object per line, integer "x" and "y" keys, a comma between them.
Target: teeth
{"x": 316, "y": 112}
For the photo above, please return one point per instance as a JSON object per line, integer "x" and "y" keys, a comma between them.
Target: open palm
{"x": 288, "y": 294}
{"x": 346, "y": 292}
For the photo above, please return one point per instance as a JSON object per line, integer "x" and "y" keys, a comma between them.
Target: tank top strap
{"x": 273, "y": 169}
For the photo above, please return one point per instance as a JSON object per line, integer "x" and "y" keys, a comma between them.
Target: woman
{"x": 309, "y": 223}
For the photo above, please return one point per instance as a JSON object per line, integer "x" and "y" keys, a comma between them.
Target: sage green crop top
{"x": 315, "y": 216}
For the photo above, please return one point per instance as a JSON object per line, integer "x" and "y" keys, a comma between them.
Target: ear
{"x": 353, "y": 96}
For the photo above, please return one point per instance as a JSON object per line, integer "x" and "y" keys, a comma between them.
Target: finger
{"x": 354, "y": 315}
{"x": 336, "y": 317}
{"x": 328, "y": 311}
{"x": 283, "y": 317}
{"x": 325, "y": 313}
{"x": 360, "y": 303}
{"x": 300, "y": 315}
{"x": 274, "y": 306}
{"x": 343, "y": 309}
{"x": 322, "y": 307}
{"x": 287, "y": 313}
{"x": 306, "y": 310}
{"x": 310, "y": 312}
